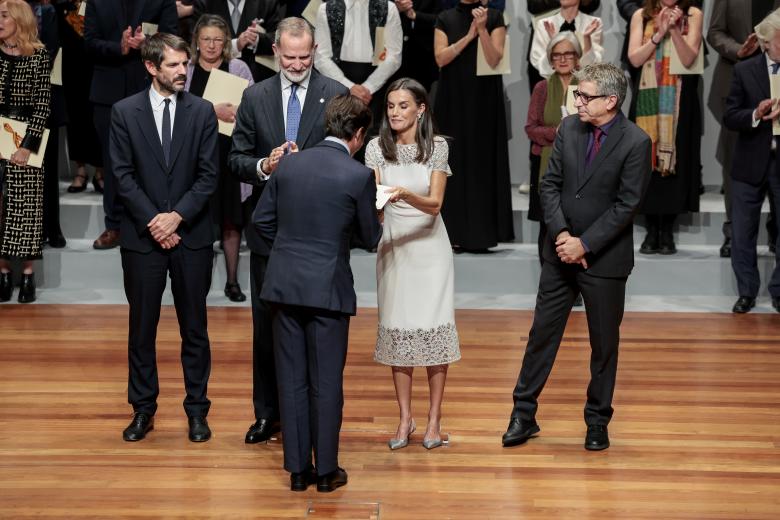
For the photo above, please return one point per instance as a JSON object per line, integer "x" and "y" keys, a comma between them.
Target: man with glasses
{"x": 596, "y": 177}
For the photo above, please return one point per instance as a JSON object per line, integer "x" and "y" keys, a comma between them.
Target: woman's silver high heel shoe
{"x": 430, "y": 444}
{"x": 397, "y": 444}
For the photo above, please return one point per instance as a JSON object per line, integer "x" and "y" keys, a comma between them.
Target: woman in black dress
{"x": 478, "y": 205}
{"x": 211, "y": 41}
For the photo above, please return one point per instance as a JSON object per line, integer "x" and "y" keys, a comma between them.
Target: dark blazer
{"x": 417, "y": 59}
{"x": 270, "y": 11}
{"x": 117, "y": 76}
{"x": 260, "y": 128}
{"x": 749, "y": 86}
{"x": 313, "y": 203}
{"x": 537, "y": 7}
{"x": 597, "y": 203}
{"x": 147, "y": 186}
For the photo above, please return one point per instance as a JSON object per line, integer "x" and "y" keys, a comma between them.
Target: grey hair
{"x": 564, "y": 36}
{"x": 609, "y": 80}
{"x": 293, "y": 26}
{"x": 766, "y": 29}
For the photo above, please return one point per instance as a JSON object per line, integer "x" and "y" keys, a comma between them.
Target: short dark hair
{"x": 345, "y": 115}
{"x": 153, "y": 47}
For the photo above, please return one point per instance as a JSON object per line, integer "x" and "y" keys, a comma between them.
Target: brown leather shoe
{"x": 108, "y": 239}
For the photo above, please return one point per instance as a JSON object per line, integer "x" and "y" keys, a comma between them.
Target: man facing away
{"x": 163, "y": 147}
{"x": 313, "y": 203}
{"x": 597, "y": 175}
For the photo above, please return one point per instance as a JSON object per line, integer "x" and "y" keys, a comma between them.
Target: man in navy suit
{"x": 313, "y": 203}
{"x": 163, "y": 147}
{"x": 750, "y": 111}
{"x": 270, "y": 121}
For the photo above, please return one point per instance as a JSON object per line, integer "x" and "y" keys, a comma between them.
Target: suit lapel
{"x": 247, "y": 15}
{"x": 582, "y": 151}
{"x": 312, "y": 109}
{"x": 761, "y": 73}
{"x": 274, "y": 110}
{"x": 148, "y": 129}
{"x": 181, "y": 124}
{"x": 613, "y": 138}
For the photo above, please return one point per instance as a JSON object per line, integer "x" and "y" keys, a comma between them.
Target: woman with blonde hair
{"x": 24, "y": 96}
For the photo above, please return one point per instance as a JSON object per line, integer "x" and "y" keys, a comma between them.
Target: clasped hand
{"x": 768, "y": 110}
{"x": 397, "y": 193}
{"x": 132, "y": 40}
{"x": 570, "y": 249}
{"x": 20, "y": 157}
{"x": 163, "y": 229}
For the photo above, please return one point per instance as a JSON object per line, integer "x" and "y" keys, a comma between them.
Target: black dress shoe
{"x": 725, "y": 249}
{"x": 56, "y": 240}
{"x": 140, "y": 425}
{"x": 519, "y": 431}
{"x": 597, "y": 438}
{"x": 6, "y": 286}
{"x": 301, "y": 481}
{"x": 776, "y": 303}
{"x": 261, "y": 431}
{"x": 27, "y": 289}
{"x": 233, "y": 292}
{"x": 199, "y": 429}
{"x": 666, "y": 243}
{"x": 743, "y": 305}
{"x": 331, "y": 481}
{"x": 650, "y": 243}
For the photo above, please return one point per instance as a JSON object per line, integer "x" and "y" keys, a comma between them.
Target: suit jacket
{"x": 117, "y": 76}
{"x": 417, "y": 58}
{"x": 596, "y": 203}
{"x": 270, "y": 11}
{"x": 315, "y": 200}
{"x": 749, "y": 86}
{"x": 260, "y": 128}
{"x": 147, "y": 186}
{"x": 731, "y": 23}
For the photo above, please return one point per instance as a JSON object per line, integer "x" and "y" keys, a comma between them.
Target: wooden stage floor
{"x": 696, "y": 432}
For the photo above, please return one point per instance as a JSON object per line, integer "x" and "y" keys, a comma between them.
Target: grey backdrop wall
{"x": 516, "y": 85}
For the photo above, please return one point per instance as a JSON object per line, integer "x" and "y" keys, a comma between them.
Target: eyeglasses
{"x": 209, "y": 41}
{"x": 563, "y": 56}
{"x": 586, "y": 98}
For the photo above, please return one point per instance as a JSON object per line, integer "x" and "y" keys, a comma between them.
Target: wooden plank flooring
{"x": 696, "y": 432}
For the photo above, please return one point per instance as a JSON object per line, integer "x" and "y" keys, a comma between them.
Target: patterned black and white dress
{"x": 24, "y": 95}
{"x": 414, "y": 267}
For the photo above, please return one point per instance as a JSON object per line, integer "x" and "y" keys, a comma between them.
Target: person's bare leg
{"x": 27, "y": 267}
{"x": 402, "y": 379}
{"x": 437, "y": 376}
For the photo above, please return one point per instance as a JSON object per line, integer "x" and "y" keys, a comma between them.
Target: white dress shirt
{"x": 541, "y": 39}
{"x": 357, "y": 46}
{"x": 158, "y": 105}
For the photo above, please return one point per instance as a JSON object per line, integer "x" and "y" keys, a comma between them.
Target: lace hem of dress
{"x": 417, "y": 347}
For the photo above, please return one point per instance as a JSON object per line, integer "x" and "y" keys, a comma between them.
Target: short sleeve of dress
{"x": 441, "y": 22}
{"x": 374, "y": 158}
{"x": 441, "y": 152}
{"x": 495, "y": 20}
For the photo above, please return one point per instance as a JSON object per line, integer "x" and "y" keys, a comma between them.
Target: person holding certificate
{"x": 666, "y": 105}
{"x": 24, "y": 96}
{"x": 210, "y": 39}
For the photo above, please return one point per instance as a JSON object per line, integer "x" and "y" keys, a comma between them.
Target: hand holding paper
{"x": 383, "y": 195}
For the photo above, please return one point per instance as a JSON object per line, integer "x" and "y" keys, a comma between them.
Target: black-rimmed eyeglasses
{"x": 586, "y": 98}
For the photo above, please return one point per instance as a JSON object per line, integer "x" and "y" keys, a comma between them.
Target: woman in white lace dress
{"x": 414, "y": 259}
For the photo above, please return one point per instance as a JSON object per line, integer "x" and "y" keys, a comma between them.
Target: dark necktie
{"x": 759, "y": 10}
{"x": 568, "y": 26}
{"x": 775, "y": 68}
{"x": 293, "y": 114}
{"x": 597, "y": 133}
{"x": 166, "y": 132}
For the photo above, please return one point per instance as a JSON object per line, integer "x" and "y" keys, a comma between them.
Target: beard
{"x": 170, "y": 86}
{"x": 296, "y": 77}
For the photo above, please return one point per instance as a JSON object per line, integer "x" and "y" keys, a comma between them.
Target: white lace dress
{"x": 414, "y": 268}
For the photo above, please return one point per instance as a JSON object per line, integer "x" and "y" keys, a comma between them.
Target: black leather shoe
{"x": 301, "y": 481}
{"x": 199, "y": 429}
{"x": 519, "y": 431}
{"x": 650, "y": 243}
{"x": 56, "y": 240}
{"x": 140, "y": 425}
{"x": 597, "y": 438}
{"x": 27, "y": 289}
{"x": 776, "y": 303}
{"x": 666, "y": 243}
{"x": 331, "y": 481}
{"x": 233, "y": 292}
{"x": 725, "y": 249}
{"x": 261, "y": 431}
{"x": 743, "y": 305}
{"x": 6, "y": 286}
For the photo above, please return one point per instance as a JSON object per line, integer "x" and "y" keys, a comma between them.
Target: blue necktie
{"x": 775, "y": 67}
{"x": 293, "y": 115}
{"x": 166, "y": 132}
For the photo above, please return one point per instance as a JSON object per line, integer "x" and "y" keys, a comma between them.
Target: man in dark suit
{"x": 731, "y": 35}
{"x": 252, "y": 27}
{"x": 163, "y": 148}
{"x": 750, "y": 111}
{"x": 113, "y": 36}
{"x": 312, "y": 205}
{"x": 597, "y": 175}
{"x": 270, "y": 121}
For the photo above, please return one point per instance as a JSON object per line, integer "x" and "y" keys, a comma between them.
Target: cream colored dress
{"x": 414, "y": 267}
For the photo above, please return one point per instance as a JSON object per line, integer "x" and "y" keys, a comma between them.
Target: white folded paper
{"x": 382, "y": 195}
{"x": 56, "y": 69}
{"x": 503, "y": 67}
{"x": 11, "y": 135}
{"x": 223, "y": 87}
{"x": 676, "y": 66}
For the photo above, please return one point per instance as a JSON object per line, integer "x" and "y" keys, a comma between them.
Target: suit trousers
{"x": 746, "y": 202}
{"x": 264, "y": 394}
{"x": 604, "y": 300}
{"x": 310, "y": 348}
{"x": 144, "y": 277}
{"x": 112, "y": 204}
